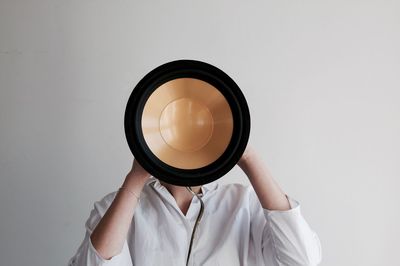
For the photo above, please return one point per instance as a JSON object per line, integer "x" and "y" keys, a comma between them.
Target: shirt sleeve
{"x": 285, "y": 238}
{"x": 87, "y": 255}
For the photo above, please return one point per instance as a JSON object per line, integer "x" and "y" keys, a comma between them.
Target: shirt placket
{"x": 188, "y": 220}
{"x": 191, "y": 217}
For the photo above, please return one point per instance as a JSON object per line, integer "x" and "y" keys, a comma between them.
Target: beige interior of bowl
{"x": 187, "y": 123}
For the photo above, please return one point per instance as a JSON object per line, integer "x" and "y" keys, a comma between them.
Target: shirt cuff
{"x": 293, "y": 240}
{"x": 294, "y": 209}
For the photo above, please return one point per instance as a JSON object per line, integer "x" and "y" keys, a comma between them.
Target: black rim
{"x": 207, "y": 73}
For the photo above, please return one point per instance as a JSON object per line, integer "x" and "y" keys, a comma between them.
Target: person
{"x": 149, "y": 222}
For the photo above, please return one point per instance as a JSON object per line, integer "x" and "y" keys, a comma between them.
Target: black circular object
{"x": 196, "y": 70}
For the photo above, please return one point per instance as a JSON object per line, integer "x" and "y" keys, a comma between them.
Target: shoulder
{"x": 236, "y": 194}
{"x": 104, "y": 203}
{"x": 99, "y": 209}
{"x": 236, "y": 189}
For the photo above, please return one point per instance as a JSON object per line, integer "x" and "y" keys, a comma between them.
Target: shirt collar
{"x": 204, "y": 188}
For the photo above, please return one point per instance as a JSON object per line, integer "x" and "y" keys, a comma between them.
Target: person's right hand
{"x": 138, "y": 170}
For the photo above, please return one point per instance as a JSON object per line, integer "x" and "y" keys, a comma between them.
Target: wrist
{"x": 135, "y": 180}
{"x": 248, "y": 156}
{"x": 138, "y": 175}
{"x": 251, "y": 164}
{"x": 246, "y": 159}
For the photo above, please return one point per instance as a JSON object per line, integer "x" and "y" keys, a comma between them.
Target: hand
{"x": 248, "y": 153}
{"x": 138, "y": 170}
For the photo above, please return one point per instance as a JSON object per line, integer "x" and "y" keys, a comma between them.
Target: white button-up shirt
{"x": 234, "y": 230}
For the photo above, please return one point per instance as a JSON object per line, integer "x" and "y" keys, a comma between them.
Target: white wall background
{"x": 322, "y": 79}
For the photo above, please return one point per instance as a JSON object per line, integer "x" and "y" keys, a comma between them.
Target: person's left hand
{"x": 247, "y": 154}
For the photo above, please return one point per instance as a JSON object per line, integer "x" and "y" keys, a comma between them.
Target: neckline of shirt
{"x": 204, "y": 188}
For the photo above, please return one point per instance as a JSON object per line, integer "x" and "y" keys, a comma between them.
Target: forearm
{"x": 267, "y": 189}
{"x": 110, "y": 233}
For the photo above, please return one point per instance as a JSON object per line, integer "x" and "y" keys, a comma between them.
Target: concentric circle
{"x": 186, "y": 125}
